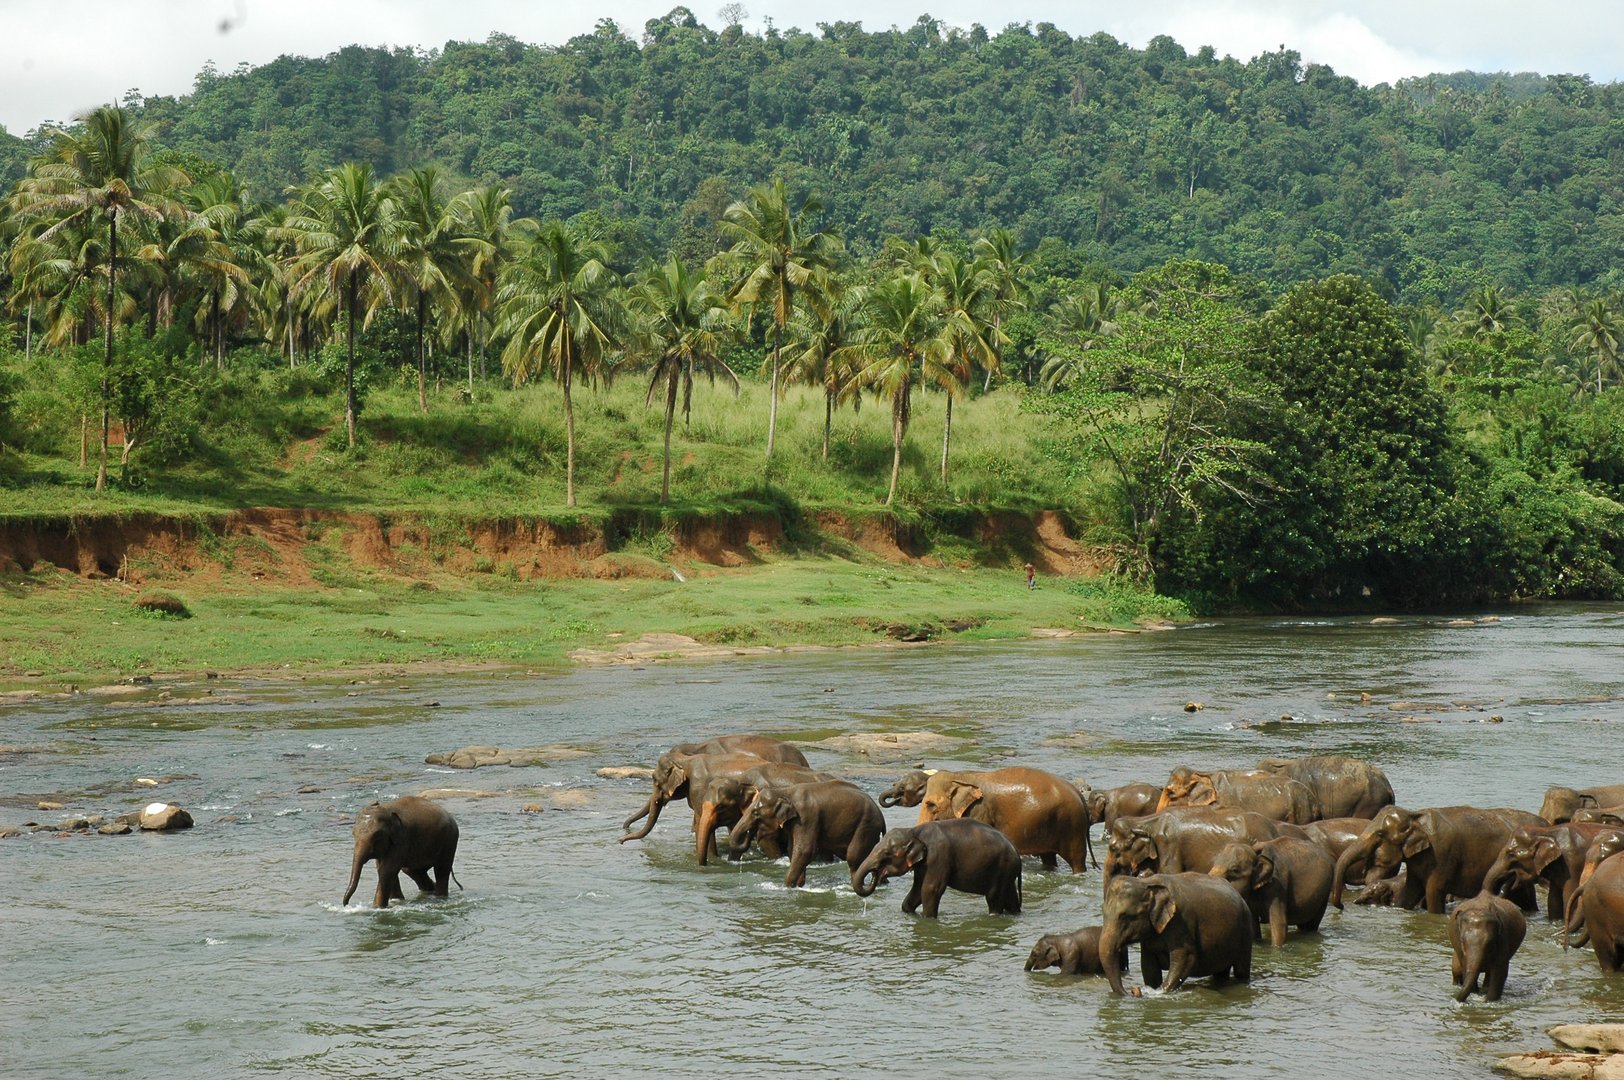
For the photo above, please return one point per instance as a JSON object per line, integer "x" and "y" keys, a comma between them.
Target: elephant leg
{"x": 1049, "y": 861}
{"x": 1150, "y": 966}
{"x": 772, "y": 845}
{"x": 1179, "y": 964}
{"x": 442, "y": 877}
{"x": 1243, "y": 967}
{"x": 1277, "y": 922}
{"x": 800, "y": 856}
{"x": 910, "y": 903}
{"x": 1494, "y": 982}
{"x": 388, "y": 887}
{"x": 935, "y": 884}
{"x": 1607, "y": 952}
{"x": 1436, "y": 894}
{"x": 422, "y": 880}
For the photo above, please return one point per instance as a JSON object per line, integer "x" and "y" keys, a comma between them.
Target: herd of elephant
{"x": 1194, "y": 868}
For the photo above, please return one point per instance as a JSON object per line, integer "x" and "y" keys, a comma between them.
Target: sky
{"x": 56, "y": 63}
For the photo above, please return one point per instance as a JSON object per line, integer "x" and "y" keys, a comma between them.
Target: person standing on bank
{"x": 1031, "y": 576}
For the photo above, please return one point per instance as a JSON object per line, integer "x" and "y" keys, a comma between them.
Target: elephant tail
{"x": 459, "y": 884}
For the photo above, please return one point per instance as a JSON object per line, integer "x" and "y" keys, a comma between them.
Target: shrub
{"x": 162, "y": 605}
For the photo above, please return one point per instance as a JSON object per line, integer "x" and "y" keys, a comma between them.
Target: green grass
{"x": 74, "y": 631}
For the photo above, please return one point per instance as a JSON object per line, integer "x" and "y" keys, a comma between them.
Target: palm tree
{"x": 348, "y": 232}
{"x": 217, "y": 201}
{"x": 437, "y": 256}
{"x": 900, "y": 344}
{"x": 970, "y": 334}
{"x": 823, "y": 328}
{"x": 781, "y": 253}
{"x": 99, "y": 169}
{"x": 484, "y": 213}
{"x": 1009, "y": 269}
{"x": 1597, "y": 331}
{"x": 1488, "y": 313}
{"x": 682, "y": 322}
{"x": 560, "y": 307}
{"x": 270, "y": 248}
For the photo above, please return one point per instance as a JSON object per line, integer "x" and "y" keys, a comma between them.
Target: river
{"x": 224, "y": 952}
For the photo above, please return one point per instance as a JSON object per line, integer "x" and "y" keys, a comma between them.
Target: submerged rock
{"x": 889, "y": 746}
{"x": 477, "y": 757}
{"x": 626, "y": 772}
{"x": 115, "y": 828}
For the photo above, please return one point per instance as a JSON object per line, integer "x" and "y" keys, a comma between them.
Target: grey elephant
{"x": 960, "y": 853}
{"x": 1485, "y": 932}
{"x": 1189, "y": 925}
{"x": 1076, "y": 953}
{"x": 410, "y": 834}
{"x": 1285, "y": 881}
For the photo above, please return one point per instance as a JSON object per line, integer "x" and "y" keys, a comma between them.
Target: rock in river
{"x": 164, "y": 817}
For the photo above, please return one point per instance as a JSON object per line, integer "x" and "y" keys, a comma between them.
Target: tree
{"x": 971, "y": 336}
{"x": 781, "y": 253}
{"x": 561, "y": 309}
{"x": 1597, "y": 332}
{"x": 99, "y": 169}
{"x": 485, "y": 214}
{"x": 823, "y": 328}
{"x": 1008, "y": 268}
{"x": 899, "y": 345}
{"x": 436, "y": 257}
{"x": 349, "y": 235}
{"x": 681, "y": 324}
{"x": 1165, "y": 397}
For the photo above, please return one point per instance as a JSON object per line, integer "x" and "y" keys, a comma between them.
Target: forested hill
{"x": 1129, "y": 156}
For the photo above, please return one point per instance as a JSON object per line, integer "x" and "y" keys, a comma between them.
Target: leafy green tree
{"x": 969, "y": 292}
{"x": 781, "y": 253}
{"x": 1597, "y": 332}
{"x": 437, "y": 260}
{"x": 1009, "y": 270}
{"x": 822, "y": 329}
{"x": 349, "y": 235}
{"x": 561, "y": 309}
{"x": 99, "y": 169}
{"x": 1166, "y": 399}
{"x": 898, "y": 346}
{"x": 681, "y": 324}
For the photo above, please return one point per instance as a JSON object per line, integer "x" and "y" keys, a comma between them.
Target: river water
{"x": 224, "y": 952}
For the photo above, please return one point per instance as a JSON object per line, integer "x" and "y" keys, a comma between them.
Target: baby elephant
{"x": 959, "y": 853}
{"x": 1485, "y": 933}
{"x": 1076, "y": 953}
{"x": 410, "y": 834}
{"x": 1285, "y": 881}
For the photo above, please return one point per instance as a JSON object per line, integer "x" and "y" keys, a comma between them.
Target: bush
{"x": 162, "y": 605}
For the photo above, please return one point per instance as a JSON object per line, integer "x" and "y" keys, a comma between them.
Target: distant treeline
{"x": 1120, "y": 157}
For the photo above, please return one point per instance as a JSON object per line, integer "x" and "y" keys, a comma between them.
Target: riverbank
{"x": 341, "y": 614}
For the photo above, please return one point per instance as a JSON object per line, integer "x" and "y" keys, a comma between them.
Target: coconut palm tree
{"x": 900, "y": 345}
{"x": 560, "y": 307}
{"x": 486, "y": 214}
{"x": 1597, "y": 332}
{"x": 437, "y": 255}
{"x": 348, "y": 232}
{"x": 822, "y": 328}
{"x": 100, "y": 169}
{"x": 781, "y": 253}
{"x": 970, "y": 332}
{"x": 1488, "y": 313}
{"x": 681, "y": 324}
{"x": 1010, "y": 269}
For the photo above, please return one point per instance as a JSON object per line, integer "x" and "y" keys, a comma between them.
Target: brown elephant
{"x": 1344, "y": 786}
{"x": 821, "y": 819}
{"x": 410, "y": 834}
{"x": 1446, "y": 851}
{"x": 1561, "y": 802}
{"x": 1273, "y": 796}
{"x": 1284, "y": 881}
{"x": 1599, "y": 815}
{"x": 1076, "y": 953}
{"x": 723, "y": 794}
{"x": 909, "y": 790}
{"x": 1607, "y": 844}
{"x": 1105, "y": 805}
{"x": 1041, "y": 813}
{"x": 1485, "y": 932}
{"x": 672, "y": 772}
{"x": 1189, "y": 925}
{"x": 1182, "y": 839}
{"x": 959, "y": 853}
{"x": 1602, "y": 902}
{"x": 1553, "y": 854}
{"x": 1336, "y": 834}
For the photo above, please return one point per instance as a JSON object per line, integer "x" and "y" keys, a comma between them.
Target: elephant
{"x": 824, "y": 818}
{"x": 1561, "y": 802}
{"x": 1076, "y": 953}
{"x": 724, "y": 796}
{"x": 960, "y": 853}
{"x": 1187, "y": 838}
{"x": 1344, "y": 786}
{"x": 410, "y": 834}
{"x": 1105, "y": 805}
{"x": 1335, "y": 835}
{"x": 1606, "y": 844}
{"x": 907, "y": 791}
{"x": 1446, "y": 852}
{"x": 1041, "y": 813}
{"x": 1554, "y": 854}
{"x": 1485, "y": 932}
{"x": 1273, "y": 796}
{"x": 672, "y": 772}
{"x": 1603, "y": 907}
{"x": 1190, "y": 925}
{"x": 1283, "y": 881}
{"x": 1599, "y": 815}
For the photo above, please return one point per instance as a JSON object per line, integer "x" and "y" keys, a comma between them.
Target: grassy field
{"x": 69, "y": 631}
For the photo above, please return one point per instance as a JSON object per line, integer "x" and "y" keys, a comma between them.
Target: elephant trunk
{"x": 1359, "y": 849}
{"x": 355, "y": 873}
{"x": 1468, "y": 978}
{"x": 1573, "y": 919}
{"x": 740, "y": 835}
{"x": 1162, "y": 804}
{"x": 704, "y": 827}
{"x": 860, "y": 883}
{"x": 651, "y": 811}
{"x": 890, "y": 797}
{"x": 1497, "y": 874}
{"x": 1111, "y": 953}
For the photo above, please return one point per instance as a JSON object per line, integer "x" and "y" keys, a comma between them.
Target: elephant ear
{"x": 915, "y": 853}
{"x": 1545, "y": 853}
{"x": 1416, "y": 843}
{"x": 964, "y": 797}
{"x": 1263, "y": 869}
{"x": 1198, "y": 782}
{"x": 1162, "y": 908}
{"x": 782, "y": 810}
